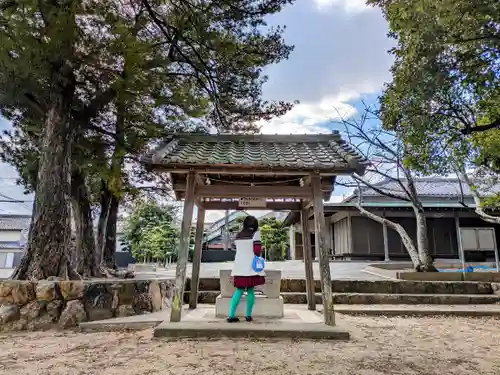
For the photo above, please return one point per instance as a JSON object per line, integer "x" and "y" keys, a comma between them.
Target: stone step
{"x": 419, "y": 310}
{"x": 209, "y": 297}
{"x": 375, "y": 286}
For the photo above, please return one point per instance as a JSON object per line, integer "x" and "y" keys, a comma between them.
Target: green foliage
{"x": 142, "y": 70}
{"x": 158, "y": 242}
{"x": 274, "y": 238}
{"x": 151, "y": 232}
{"x": 446, "y": 87}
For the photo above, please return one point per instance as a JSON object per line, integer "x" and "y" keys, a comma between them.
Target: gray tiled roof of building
{"x": 302, "y": 152}
{"x": 437, "y": 187}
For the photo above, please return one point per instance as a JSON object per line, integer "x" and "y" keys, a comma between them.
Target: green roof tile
{"x": 303, "y": 152}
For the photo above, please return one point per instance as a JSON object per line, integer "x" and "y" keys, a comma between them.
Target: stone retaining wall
{"x": 25, "y": 305}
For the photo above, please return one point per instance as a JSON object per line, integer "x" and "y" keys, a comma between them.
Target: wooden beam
{"x": 235, "y": 191}
{"x": 274, "y": 206}
{"x": 180, "y": 272}
{"x": 322, "y": 249}
{"x": 195, "y": 275}
{"x": 308, "y": 261}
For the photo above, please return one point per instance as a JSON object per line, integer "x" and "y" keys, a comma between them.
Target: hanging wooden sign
{"x": 252, "y": 203}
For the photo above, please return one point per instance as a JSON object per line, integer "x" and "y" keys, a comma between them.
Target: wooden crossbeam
{"x": 233, "y": 205}
{"x": 236, "y": 191}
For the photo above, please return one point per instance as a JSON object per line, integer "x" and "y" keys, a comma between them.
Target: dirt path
{"x": 379, "y": 346}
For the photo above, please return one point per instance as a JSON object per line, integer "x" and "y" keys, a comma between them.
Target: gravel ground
{"x": 379, "y": 346}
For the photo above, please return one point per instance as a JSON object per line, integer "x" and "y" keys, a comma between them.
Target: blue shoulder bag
{"x": 258, "y": 264}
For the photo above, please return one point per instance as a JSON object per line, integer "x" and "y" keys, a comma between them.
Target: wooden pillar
{"x": 308, "y": 261}
{"x": 195, "y": 276}
{"x": 461, "y": 253}
{"x": 322, "y": 250}
{"x": 386, "y": 242}
{"x": 180, "y": 271}
{"x": 350, "y": 247}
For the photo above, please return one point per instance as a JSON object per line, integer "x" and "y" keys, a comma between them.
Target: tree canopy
{"x": 90, "y": 85}
{"x": 446, "y": 87}
{"x": 151, "y": 231}
{"x": 443, "y": 101}
{"x": 274, "y": 238}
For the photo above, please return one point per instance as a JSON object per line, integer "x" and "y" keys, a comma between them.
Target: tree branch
{"x": 405, "y": 238}
{"x": 477, "y": 199}
{"x": 481, "y": 128}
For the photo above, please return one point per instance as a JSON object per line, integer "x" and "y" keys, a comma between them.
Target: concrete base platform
{"x": 297, "y": 323}
{"x": 297, "y": 331}
{"x": 264, "y": 307}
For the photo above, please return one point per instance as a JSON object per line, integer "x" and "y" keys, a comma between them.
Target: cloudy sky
{"x": 340, "y": 58}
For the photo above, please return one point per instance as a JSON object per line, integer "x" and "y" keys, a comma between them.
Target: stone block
{"x": 270, "y": 289}
{"x": 141, "y": 286}
{"x": 264, "y": 307}
{"x": 71, "y": 290}
{"x": 54, "y": 309}
{"x": 32, "y": 310}
{"x": 5, "y": 293}
{"x": 22, "y": 292}
{"x": 98, "y": 301}
{"x": 126, "y": 292}
{"x": 142, "y": 303}
{"x": 73, "y": 314}
{"x": 46, "y": 291}
{"x": 156, "y": 297}
{"x": 9, "y": 313}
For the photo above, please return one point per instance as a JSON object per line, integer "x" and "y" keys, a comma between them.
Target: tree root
{"x": 109, "y": 272}
{"x": 422, "y": 268}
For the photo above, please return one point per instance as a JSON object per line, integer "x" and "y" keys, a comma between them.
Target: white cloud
{"x": 312, "y": 118}
{"x": 350, "y": 6}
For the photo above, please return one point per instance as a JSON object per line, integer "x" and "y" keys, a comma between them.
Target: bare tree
{"x": 386, "y": 153}
{"x": 479, "y": 204}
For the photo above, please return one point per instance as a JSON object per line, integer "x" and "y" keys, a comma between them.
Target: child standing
{"x": 245, "y": 278}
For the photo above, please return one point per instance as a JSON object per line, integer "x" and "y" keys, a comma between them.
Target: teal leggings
{"x": 235, "y": 301}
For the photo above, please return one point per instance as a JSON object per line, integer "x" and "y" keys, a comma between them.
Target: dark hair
{"x": 251, "y": 222}
{"x": 250, "y": 226}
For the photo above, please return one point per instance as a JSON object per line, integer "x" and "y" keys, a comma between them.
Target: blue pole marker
{"x": 258, "y": 264}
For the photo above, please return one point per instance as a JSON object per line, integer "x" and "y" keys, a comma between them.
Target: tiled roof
{"x": 324, "y": 152}
{"x": 431, "y": 187}
{"x": 8, "y": 222}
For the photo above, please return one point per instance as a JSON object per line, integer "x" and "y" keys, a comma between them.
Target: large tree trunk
{"x": 109, "y": 248}
{"x": 86, "y": 262}
{"x": 50, "y": 229}
{"x": 103, "y": 221}
{"x": 423, "y": 242}
{"x": 110, "y": 202}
